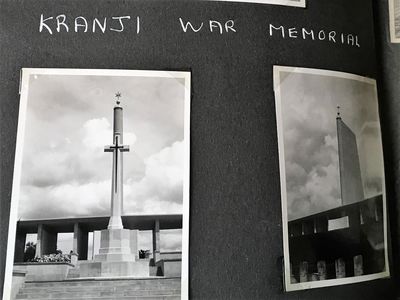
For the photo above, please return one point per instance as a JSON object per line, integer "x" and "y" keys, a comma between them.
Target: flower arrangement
{"x": 144, "y": 253}
{"x": 59, "y": 257}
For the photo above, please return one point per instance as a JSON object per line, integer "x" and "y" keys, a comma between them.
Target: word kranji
{"x": 61, "y": 23}
{"x": 314, "y": 35}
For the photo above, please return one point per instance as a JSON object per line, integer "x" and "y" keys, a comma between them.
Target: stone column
{"x": 340, "y": 267}
{"x": 321, "y": 224}
{"x": 292, "y": 278}
{"x": 354, "y": 219}
{"x": 321, "y": 267}
{"x": 377, "y": 211}
{"x": 303, "y": 271}
{"x": 96, "y": 243}
{"x": 156, "y": 241}
{"x": 39, "y": 241}
{"x": 358, "y": 265}
{"x": 80, "y": 245}
{"x": 134, "y": 243}
{"x": 46, "y": 241}
{"x": 20, "y": 241}
{"x": 314, "y": 277}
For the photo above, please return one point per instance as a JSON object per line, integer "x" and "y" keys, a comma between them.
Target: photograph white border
{"x": 24, "y": 90}
{"x": 301, "y": 3}
{"x": 278, "y": 106}
{"x": 392, "y": 29}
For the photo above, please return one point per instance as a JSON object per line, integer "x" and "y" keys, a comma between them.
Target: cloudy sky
{"x": 309, "y": 107}
{"x": 66, "y": 173}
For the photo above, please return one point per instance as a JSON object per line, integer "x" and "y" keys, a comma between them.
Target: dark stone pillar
{"x": 358, "y": 265}
{"x": 354, "y": 218}
{"x": 295, "y": 229}
{"x": 321, "y": 224}
{"x": 292, "y": 277}
{"x": 340, "y": 267}
{"x": 156, "y": 241}
{"x": 321, "y": 267}
{"x": 46, "y": 241}
{"x": 80, "y": 245}
{"x": 19, "y": 250}
{"x": 38, "y": 241}
{"x": 308, "y": 227}
{"x": 303, "y": 271}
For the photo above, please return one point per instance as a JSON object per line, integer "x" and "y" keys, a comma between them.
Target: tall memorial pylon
{"x": 118, "y": 246}
{"x": 117, "y": 150}
{"x": 351, "y": 186}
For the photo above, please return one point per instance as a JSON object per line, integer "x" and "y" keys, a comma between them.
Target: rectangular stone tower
{"x": 351, "y": 186}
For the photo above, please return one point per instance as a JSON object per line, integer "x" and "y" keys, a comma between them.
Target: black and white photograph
{"x": 296, "y": 3}
{"x": 100, "y": 196}
{"x": 332, "y": 178}
{"x": 394, "y": 20}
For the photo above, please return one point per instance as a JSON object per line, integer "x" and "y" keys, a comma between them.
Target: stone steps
{"x": 124, "y": 289}
{"x": 78, "y": 286}
{"x": 175, "y": 297}
{"x": 60, "y": 289}
{"x": 151, "y": 281}
{"x": 44, "y": 294}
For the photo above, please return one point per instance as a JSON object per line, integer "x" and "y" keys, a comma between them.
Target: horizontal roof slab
{"x": 140, "y": 222}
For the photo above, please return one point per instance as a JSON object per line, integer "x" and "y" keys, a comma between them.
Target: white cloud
{"x": 65, "y": 200}
{"x": 161, "y": 188}
{"x": 317, "y": 188}
{"x": 170, "y": 240}
{"x": 99, "y": 131}
{"x": 159, "y": 191}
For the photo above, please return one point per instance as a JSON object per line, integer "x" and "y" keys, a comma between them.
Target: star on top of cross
{"x": 118, "y": 95}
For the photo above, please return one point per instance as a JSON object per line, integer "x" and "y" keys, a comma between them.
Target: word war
{"x": 210, "y": 25}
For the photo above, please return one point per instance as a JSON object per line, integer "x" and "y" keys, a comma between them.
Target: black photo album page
{"x": 189, "y": 149}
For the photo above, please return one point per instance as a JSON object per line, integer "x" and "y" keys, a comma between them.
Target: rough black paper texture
{"x": 235, "y": 219}
{"x": 389, "y": 92}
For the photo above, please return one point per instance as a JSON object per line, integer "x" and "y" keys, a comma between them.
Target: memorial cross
{"x": 117, "y": 169}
